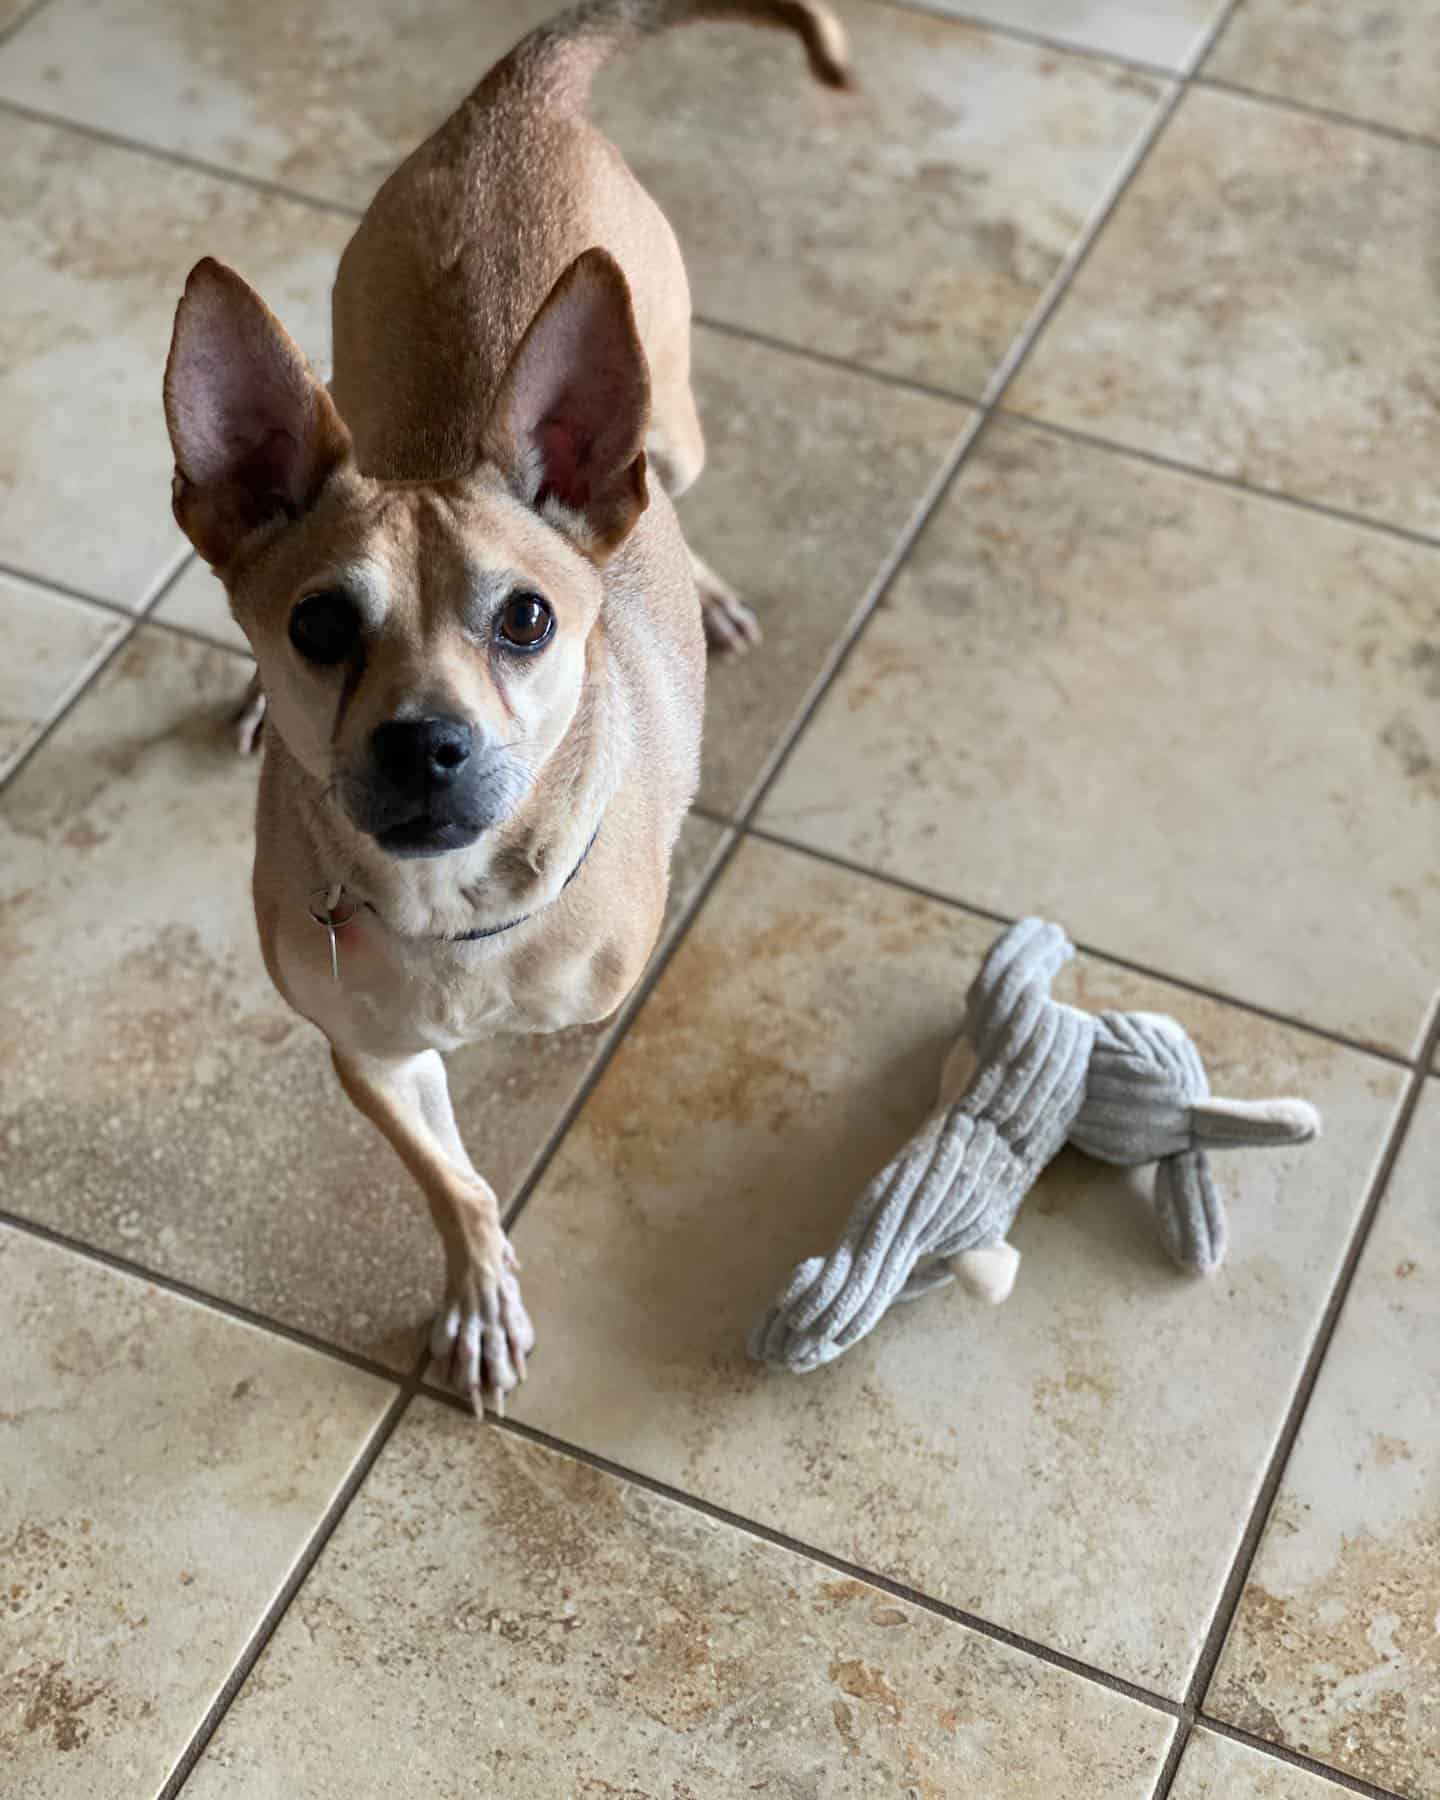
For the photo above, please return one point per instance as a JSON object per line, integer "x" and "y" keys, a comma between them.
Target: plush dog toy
{"x": 1128, "y": 1088}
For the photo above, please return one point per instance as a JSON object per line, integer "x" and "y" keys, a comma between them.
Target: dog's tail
{"x": 563, "y": 56}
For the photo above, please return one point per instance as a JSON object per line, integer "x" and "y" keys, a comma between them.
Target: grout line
{"x": 845, "y": 641}
{"x": 198, "y": 636}
{"x": 1174, "y": 1756}
{"x": 1200, "y": 989}
{"x": 68, "y": 591}
{"x": 1309, "y": 1377}
{"x": 1354, "y": 1784}
{"x": 1023, "y": 34}
{"x": 134, "y": 622}
{"x": 846, "y": 365}
{"x": 1157, "y": 459}
{"x": 994, "y": 392}
{"x": 1309, "y": 109}
{"x": 179, "y": 159}
{"x": 999, "y": 383}
{"x": 637, "y": 998}
{"x": 294, "y": 1581}
{"x": 185, "y": 1290}
{"x": 899, "y": 1590}
{"x": 17, "y": 25}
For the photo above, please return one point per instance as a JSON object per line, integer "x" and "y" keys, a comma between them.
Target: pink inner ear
{"x": 564, "y": 456}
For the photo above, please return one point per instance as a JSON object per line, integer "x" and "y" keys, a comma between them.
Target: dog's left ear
{"x": 255, "y": 435}
{"x": 568, "y": 425}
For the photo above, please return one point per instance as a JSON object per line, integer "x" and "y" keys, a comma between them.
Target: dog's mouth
{"x": 427, "y": 835}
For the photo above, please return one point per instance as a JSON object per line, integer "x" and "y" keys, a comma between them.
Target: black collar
{"x": 488, "y": 931}
{"x": 334, "y": 908}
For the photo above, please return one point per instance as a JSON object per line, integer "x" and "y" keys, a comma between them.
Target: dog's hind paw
{"x": 482, "y": 1336}
{"x": 730, "y": 625}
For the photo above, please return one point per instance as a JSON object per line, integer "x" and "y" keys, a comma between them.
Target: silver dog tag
{"x": 334, "y": 912}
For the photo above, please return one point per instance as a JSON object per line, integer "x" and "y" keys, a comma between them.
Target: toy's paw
{"x": 988, "y": 1274}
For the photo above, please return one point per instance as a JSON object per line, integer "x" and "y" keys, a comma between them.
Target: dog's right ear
{"x": 255, "y": 435}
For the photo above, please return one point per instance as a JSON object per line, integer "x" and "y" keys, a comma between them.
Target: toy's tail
{"x": 563, "y": 57}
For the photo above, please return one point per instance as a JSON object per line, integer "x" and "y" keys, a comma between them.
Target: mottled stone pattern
{"x": 651, "y": 1250}
{"x": 98, "y": 242}
{"x": 1377, "y": 61}
{"x": 197, "y": 602}
{"x": 1217, "y": 1769}
{"x": 490, "y": 1607}
{"x": 157, "y": 1097}
{"x": 1335, "y": 1649}
{"x": 811, "y": 474}
{"x": 1263, "y": 307}
{"x": 1136, "y": 701}
{"x": 1167, "y": 32}
{"x": 51, "y": 644}
{"x": 912, "y": 226}
{"x": 1196, "y": 725}
{"x": 162, "y": 1467}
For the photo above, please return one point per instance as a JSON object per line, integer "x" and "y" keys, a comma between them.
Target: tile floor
{"x": 1073, "y": 426}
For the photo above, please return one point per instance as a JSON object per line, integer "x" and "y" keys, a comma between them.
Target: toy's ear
{"x": 255, "y": 435}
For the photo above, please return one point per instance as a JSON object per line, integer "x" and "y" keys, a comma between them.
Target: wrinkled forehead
{"x": 421, "y": 557}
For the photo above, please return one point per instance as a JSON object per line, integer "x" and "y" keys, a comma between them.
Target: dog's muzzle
{"x": 429, "y": 786}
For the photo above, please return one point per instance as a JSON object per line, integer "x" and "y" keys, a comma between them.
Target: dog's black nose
{"x": 422, "y": 753}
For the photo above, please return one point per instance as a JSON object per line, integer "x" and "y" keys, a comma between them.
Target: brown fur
{"x": 511, "y": 338}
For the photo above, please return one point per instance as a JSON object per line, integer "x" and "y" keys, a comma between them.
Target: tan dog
{"x": 476, "y": 626}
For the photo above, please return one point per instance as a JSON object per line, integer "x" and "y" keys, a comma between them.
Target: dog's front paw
{"x": 482, "y": 1335}
{"x": 249, "y": 719}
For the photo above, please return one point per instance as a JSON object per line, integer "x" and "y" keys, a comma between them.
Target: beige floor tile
{"x": 1216, "y": 1769}
{"x": 51, "y": 644}
{"x": 493, "y": 1619}
{"x": 1262, "y": 305}
{"x": 1143, "y": 702}
{"x": 98, "y": 245}
{"x": 912, "y": 227}
{"x": 811, "y": 475}
{"x": 197, "y": 601}
{"x": 1377, "y": 62}
{"x": 163, "y": 1468}
{"x": 1167, "y": 32}
{"x": 1335, "y": 1649}
{"x": 158, "y": 1098}
{"x": 1076, "y": 1465}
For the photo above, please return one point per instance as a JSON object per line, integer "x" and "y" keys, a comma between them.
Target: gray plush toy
{"x": 1128, "y": 1088}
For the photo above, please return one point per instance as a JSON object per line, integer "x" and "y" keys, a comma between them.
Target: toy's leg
{"x": 1189, "y": 1214}
{"x": 990, "y": 1273}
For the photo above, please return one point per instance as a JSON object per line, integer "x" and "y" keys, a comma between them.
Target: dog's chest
{"x": 399, "y": 996}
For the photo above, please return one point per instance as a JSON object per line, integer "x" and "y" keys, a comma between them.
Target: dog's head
{"x": 422, "y": 646}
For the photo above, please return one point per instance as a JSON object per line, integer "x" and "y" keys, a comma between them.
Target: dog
{"x": 478, "y": 631}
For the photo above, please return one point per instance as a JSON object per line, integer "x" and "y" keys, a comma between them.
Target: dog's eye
{"x": 526, "y": 621}
{"x": 325, "y": 628}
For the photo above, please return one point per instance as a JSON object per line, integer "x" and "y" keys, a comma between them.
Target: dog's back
{"x": 462, "y": 244}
